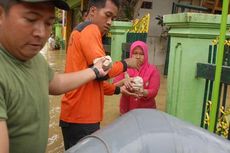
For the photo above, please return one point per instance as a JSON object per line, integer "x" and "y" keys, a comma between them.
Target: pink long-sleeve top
{"x": 151, "y": 79}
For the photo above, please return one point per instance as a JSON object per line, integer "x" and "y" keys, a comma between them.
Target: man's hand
{"x": 127, "y": 92}
{"x": 99, "y": 65}
{"x": 107, "y": 63}
{"x": 133, "y": 63}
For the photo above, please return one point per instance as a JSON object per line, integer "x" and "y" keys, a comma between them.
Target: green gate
{"x": 207, "y": 71}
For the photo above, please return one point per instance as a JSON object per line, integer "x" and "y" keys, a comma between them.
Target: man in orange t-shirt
{"x": 82, "y": 109}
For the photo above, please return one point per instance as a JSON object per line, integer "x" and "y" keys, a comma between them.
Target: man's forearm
{"x": 63, "y": 83}
{"x": 4, "y": 138}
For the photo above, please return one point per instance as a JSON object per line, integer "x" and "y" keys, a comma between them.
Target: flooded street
{"x": 56, "y": 59}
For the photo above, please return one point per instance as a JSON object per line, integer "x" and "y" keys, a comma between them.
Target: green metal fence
{"x": 207, "y": 71}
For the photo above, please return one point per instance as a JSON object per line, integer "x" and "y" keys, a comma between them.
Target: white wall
{"x": 157, "y": 46}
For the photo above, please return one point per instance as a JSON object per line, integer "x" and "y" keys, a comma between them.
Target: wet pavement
{"x": 56, "y": 59}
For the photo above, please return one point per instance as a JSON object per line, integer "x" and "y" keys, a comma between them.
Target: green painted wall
{"x": 191, "y": 34}
{"x": 118, "y": 36}
{"x": 58, "y": 31}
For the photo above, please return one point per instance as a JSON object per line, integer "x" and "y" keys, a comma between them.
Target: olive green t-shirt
{"x": 24, "y": 101}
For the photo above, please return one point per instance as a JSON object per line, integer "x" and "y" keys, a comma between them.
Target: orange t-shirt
{"x": 85, "y": 104}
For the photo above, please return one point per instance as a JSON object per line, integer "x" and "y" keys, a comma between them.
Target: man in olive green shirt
{"x": 26, "y": 79}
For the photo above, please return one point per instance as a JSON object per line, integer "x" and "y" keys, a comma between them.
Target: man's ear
{"x": 92, "y": 11}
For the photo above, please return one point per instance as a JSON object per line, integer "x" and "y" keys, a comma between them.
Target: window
{"x": 146, "y": 5}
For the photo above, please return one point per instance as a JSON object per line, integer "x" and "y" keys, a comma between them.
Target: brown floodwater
{"x": 56, "y": 60}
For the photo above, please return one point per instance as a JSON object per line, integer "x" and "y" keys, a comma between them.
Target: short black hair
{"x": 101, "y": 3}
{"x": 84, "y": 11}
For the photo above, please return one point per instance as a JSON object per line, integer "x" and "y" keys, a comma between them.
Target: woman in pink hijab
{"x": 150, "y": 76}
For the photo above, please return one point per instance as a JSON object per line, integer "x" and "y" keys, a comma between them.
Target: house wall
{"x": 158, "y": 44}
